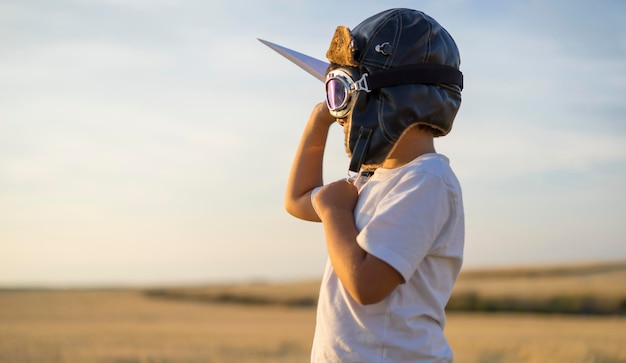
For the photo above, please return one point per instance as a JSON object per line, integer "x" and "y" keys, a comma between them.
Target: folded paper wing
{"x": 313, "y": 66}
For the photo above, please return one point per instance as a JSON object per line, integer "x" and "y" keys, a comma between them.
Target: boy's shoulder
{"x": 432, "y": 163}
{"x": 432, "y": 166}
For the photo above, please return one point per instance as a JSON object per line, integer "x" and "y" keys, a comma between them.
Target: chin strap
{"x": 360, "y": 149}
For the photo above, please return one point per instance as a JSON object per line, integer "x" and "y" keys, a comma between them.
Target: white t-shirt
{"x": 412, "y": 218}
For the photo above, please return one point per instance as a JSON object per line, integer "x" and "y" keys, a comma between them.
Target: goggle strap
{"x": 415, "y": 73}
{"x": 361, "y": 84}
{"x": 360, "y": 149}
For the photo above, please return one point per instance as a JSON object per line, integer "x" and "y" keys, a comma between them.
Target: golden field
{"x": 274, "y": 322}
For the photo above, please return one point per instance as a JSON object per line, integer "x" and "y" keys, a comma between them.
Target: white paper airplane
{"x": 313, "y": 66}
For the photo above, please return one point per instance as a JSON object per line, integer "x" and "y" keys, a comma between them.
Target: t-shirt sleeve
{"x": 313, "y": 192}
{"x": 407, "y": 222}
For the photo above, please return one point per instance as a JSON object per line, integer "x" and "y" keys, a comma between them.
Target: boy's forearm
{"x": 366, "y": 278}
{"x": 345, "y": 254}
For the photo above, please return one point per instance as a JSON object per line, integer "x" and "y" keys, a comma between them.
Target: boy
{"x": 395, "y": 233}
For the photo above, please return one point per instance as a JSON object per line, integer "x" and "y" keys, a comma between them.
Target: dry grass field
{"x": 260, "y": 322}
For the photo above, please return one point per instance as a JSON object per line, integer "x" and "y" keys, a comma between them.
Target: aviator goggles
{"x": 340, "y": 91}
{"x": 341, "y": 84}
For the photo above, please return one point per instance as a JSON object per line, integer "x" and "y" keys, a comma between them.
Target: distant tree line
{"x": 459, "y": 302}
{"x": 565, "y": 304}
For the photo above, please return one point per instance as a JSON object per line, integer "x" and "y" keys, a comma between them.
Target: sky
{"x": 149, "y": 142}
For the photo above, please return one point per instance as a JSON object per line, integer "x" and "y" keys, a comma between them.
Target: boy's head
{"x": 395, "y": 70}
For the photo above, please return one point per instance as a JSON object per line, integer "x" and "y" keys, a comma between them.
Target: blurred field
{"x": 593, "y": 279}
{"x": 274, "y": 323}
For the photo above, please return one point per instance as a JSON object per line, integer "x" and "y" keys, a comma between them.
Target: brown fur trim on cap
{"x": 341, "y": 50}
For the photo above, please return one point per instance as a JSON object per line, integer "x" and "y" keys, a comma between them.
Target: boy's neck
{"x": 412, "y": 144}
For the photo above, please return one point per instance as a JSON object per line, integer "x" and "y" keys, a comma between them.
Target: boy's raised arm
{"x": 306, "y": 170}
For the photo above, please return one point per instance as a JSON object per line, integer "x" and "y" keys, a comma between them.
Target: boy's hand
{"x": 337, "y": 197}
{"x": 322, "y": 116}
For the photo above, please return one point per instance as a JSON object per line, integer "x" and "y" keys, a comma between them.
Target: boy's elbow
{"x": 289, "y": 208}
{"x": 368, "y": 295}
{"x": 367, "y": 300}
{"x": 292, "y": 206}
{"x": 299, "y": 210}
{"x": 375, "y": 282}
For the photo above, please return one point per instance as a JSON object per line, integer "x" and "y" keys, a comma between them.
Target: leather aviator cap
{"x": 394, "y": 40}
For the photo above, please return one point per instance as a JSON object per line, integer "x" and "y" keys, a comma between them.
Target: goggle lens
{"x": 336, "y": 94}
